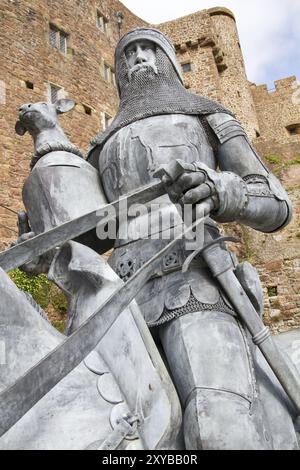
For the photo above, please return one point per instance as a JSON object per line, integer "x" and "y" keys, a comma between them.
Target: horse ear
{"x": 20, "y": 129}
{"x": 63, "y": 106}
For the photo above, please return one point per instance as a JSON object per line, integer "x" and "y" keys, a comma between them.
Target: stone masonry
{"x": 29, "y": 64}
{"x": 208, "y": 48}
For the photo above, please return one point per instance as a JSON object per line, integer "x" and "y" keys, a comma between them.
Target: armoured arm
{"x": 248, "y": 192}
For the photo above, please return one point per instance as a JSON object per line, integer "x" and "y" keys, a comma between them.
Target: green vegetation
{"x": 247, "y": 254}
{"x": 273, "y": 159}
{"x": 272, "y": 291}
{"x": 46, "y": 294}
{"x": 37, "y": 286}
{"x": 293, "y": 188}
{"x": 280, "y": 164}
{"x": 59, "y": 325}
{"x": 59, "y": 302}
{"x": 295, "y": 161}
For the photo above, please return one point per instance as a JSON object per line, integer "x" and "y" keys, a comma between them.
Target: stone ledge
{"x": 220, "y": 11}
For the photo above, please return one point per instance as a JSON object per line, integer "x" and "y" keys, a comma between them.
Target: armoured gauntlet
{"x": 249, "y": 194}
{"x": 255, "y": 200}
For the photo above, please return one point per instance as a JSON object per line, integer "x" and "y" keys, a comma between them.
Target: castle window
{"x": 58, "y": 39}
{"x": 29, "y": 85}
{"x": 54, "y": 92}
{"x": 106, "y": 72}
{"x": 293, "y": 129}
{"x": 87, "y": 109}
{"x": 106, "y": 120}
{"x": 63, "y": 43}
{"x": 272, "y": 291}
{"x": 109, "y": 74}
{"x": 186, "y": 67}
{"x": 102, "y": 23}
{"x": 257, "y": 134}
{"x": 113, "y": 77}
{"x": 52, "y": 36}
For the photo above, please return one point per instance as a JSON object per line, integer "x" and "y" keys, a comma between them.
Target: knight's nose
{"x": 140, "y": 58}
{"x": 25, "y": 107}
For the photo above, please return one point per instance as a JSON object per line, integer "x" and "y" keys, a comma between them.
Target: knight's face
{"x": 141, "y": 55}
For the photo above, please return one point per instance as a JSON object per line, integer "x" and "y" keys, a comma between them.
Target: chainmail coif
{"x": 149, "y": 94}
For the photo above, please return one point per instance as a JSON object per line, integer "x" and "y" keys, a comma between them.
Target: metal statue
{"x": 226, "y": 383}
{"x": 211, "y": 356}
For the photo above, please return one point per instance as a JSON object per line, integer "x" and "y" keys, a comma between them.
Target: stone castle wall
{"x": 277, "y": 111}
{"x": 277, "y": 259}
{"x": 233, "y": 83}
{"x": 208, "y": 41}
{"x": 195, "y": 43}
{"x": 277, "y": 256}
{"x": 27, "y": 56}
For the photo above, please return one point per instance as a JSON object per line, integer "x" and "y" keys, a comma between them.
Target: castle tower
{"x": 208, "y": 49}
{"x": 194, "y": 39}
{"x": 234, "y": 88}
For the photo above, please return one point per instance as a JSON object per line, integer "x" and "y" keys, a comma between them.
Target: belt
{"x": 132, "y": 259}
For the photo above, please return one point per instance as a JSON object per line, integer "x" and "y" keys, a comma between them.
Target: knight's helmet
{"x": 61, "y": 187}
{"x": 165, "y": 48}
{"x": 150, "y": 92}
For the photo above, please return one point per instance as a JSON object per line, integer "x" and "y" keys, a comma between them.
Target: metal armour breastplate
{"x": 126, "y": 163}
{"x": 130, "y": 156}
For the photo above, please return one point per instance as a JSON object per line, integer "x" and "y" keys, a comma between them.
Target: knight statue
{"x": 209, "y": 354}
{"x": 183, "y": 359}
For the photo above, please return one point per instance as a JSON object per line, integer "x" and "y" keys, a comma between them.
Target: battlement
{"x": 285, "y": 82}
{"x": 279, "y": 86}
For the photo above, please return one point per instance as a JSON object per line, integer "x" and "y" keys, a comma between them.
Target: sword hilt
{"x": 201, "y": 250}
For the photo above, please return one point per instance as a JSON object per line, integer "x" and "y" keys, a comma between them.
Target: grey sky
{"x": 269, "y": 31}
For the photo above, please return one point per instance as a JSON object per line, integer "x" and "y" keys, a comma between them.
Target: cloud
{"x": 269, "y": 31}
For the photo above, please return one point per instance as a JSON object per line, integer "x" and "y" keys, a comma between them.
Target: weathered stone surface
{"x": 27, "y": 56}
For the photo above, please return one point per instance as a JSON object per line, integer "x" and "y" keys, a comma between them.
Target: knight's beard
{"x": 142, "y": 70}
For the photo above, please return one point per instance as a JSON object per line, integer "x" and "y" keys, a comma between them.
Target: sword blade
{"x": 16, "y": 400}
{"x": 37, "y": 246}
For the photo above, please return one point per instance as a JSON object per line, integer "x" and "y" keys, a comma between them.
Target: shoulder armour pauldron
{"x": 225, "y": 126}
